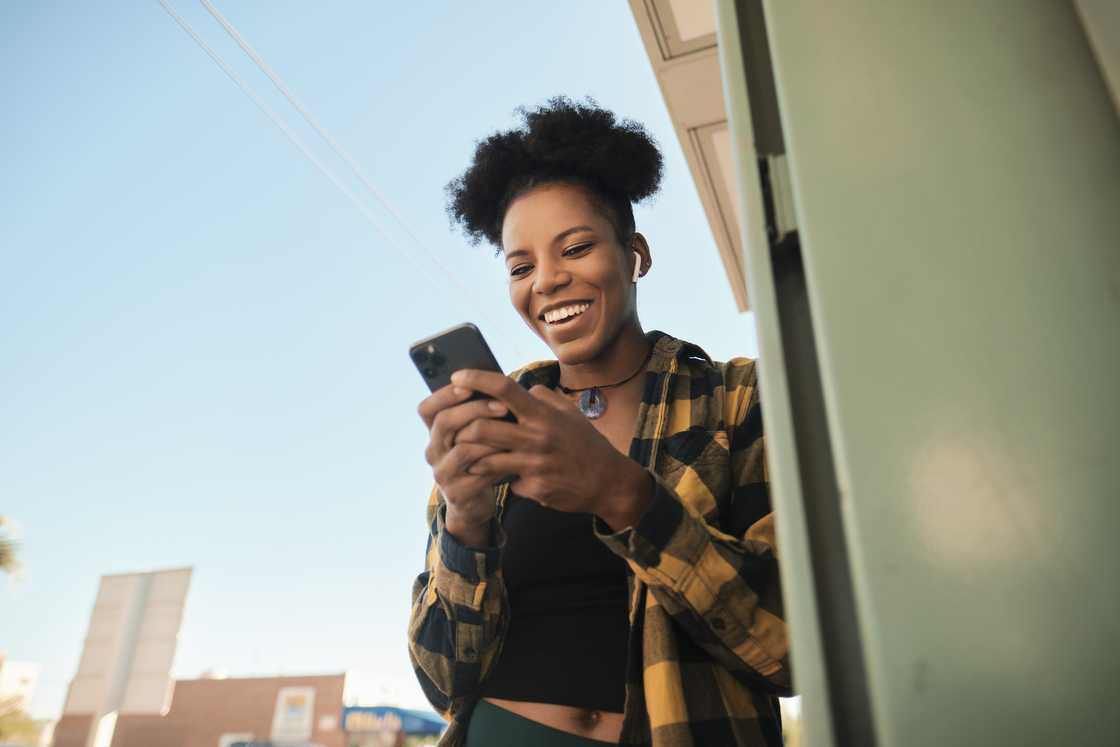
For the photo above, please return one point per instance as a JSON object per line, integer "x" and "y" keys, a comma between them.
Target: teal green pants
{"x": 491, "y": 726}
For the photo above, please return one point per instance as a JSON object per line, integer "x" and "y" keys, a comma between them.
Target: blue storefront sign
{"x": 379, "y": 719}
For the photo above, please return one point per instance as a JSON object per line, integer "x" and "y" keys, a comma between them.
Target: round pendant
{"x": 592, "y": 403}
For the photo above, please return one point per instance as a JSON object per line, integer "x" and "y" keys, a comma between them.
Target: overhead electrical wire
{"x": 308, "y": 116}
{"x": 334, "y": 145}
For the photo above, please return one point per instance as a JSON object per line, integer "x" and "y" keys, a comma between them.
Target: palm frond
{"x": 8, "y": 546}
{"x": 7, "y": 556}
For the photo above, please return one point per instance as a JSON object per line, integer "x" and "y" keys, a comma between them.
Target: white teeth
{"x": 557, "y": 315}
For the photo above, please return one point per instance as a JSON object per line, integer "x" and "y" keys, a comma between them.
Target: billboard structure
{"x": 129, "y": 649}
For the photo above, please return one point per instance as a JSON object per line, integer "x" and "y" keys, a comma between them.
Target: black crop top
{"x": 568, "y": 629}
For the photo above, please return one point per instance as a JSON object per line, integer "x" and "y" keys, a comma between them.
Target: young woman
{"x": 624, "y": 588}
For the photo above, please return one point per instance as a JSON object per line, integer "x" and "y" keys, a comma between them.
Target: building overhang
{"x": 680, "y": 40}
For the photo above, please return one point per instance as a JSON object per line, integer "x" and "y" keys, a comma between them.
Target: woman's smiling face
{"x": 563, "y": 255}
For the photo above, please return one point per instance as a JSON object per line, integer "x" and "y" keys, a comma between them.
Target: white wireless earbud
{"x": 637, "y": 267}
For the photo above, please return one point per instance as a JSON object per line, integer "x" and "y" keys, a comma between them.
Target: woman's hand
{"x": 560, "y": 459}
{"x": 469, "y": 497}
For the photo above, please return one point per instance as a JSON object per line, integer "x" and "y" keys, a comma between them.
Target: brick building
{"x": 219, "y": 712}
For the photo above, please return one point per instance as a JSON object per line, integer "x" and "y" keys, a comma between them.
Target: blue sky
{"x": 203, "y": 356}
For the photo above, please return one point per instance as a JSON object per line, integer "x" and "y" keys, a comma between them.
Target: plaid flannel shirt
{"x": 708, "y": 651}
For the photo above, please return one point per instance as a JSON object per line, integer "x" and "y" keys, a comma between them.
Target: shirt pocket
{"x": 697, "y": 464}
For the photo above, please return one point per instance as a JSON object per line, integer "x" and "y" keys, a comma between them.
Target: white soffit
{"x": 721, "y": 147}
{"x": 679, "y": 37}
{"x": 694, "y": 18}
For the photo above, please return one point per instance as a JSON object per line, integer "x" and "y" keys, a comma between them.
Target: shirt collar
{"x": 666, "y": 350}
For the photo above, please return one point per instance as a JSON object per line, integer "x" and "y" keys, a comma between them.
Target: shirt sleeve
{"x": 460, "y": 613}
{"x": 719, "y": 583}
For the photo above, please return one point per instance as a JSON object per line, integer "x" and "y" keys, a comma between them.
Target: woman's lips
{"x": 570, "y": 323}
{"x": 582, "y": 302}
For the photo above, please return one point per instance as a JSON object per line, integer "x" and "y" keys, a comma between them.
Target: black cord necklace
{"x": 592, "y": 401}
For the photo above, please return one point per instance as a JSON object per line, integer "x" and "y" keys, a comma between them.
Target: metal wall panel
{"x": 956, "y": 175}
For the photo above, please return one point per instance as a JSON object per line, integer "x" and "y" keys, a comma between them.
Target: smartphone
{"x": 444, "y": 353}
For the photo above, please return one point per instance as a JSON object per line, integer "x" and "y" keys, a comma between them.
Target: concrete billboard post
{"x": 127, "y": 656}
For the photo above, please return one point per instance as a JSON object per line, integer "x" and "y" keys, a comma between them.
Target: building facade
{"x": 222, "y": 712}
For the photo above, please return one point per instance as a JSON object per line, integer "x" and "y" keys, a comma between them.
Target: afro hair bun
{"x": 561, "y": 141}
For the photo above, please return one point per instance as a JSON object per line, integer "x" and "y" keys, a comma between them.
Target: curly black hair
{"x": 617, "y": 161}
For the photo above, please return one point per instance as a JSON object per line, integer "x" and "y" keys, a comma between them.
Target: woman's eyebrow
{"x": 566, "y": 233}
{"x": 557, "y": 239}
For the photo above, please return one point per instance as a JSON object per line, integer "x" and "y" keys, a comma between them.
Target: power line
{"x": 330, "y": 141}
{"x": 295, "y": 140}
{"x": 308, "y": 117}
{"x": 271, "y": 114}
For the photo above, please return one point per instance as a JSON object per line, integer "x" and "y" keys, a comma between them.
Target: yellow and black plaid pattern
{"x": 708, "y": 647}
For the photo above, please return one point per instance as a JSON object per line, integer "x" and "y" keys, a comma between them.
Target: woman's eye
{"x": 572, "y": 251}
{"x": 519, "y": 270}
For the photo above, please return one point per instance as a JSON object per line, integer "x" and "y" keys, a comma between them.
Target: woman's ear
{"x": 642, "y": 260}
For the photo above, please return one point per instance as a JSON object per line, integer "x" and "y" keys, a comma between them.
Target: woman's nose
{"x": 549, "y": 278}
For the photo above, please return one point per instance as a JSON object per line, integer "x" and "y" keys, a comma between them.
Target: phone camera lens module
{"x": 429, "y": 371}
{"x": 420, "y": 357}
{"x": 437, "y": 360}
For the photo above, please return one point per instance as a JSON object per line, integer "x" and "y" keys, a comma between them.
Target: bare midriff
{"x": 585, "y": 722}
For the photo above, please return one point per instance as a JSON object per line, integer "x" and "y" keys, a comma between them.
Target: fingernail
{"x": 459, "y": 391}
{"x": 457, "y": 377}
{"x": 497, "y": 406}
